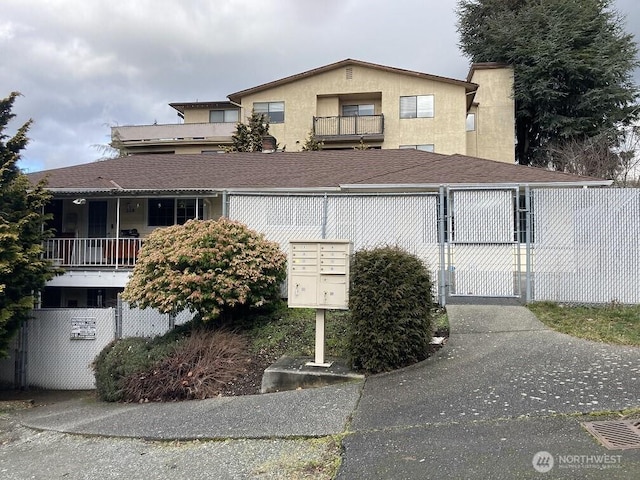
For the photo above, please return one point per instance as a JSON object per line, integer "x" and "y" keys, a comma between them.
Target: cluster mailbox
{"x": 319, "y": 274}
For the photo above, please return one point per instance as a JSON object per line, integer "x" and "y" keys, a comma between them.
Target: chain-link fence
{"x": 559, "y": 244}
{"x": 586, "y": 246}
{"x": 564, "y": 245}
{"x": 55, "y": 349}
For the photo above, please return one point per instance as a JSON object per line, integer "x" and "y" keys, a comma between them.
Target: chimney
{"x": 268, "y": 144}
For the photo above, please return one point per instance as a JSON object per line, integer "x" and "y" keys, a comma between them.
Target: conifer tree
{"x": 23, "y": 271}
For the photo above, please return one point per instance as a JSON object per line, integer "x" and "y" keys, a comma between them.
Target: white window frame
{"x": 225, "y": 113}
{"x": 417, "y": 106}
{"x": 471, "y": 122}
{"x": 269, "y": 108}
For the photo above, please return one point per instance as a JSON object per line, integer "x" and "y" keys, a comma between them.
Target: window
{"x": 420, "y": 106}
{"x": 224, "y": 116}
{"x": 161, "y": 212}
{"x": 425, "y": 148}
{"x": 186, "y": 210}
{"x": 273, "y": 110}
{"x": 357, "y": 110}
{"x": 164, "y": 212}
{"x": 471, "y": 122}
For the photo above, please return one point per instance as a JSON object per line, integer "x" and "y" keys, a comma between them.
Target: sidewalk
{"x": 301, "y": 413}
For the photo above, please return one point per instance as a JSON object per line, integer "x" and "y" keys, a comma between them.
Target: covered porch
{"x": 97, "y": 231}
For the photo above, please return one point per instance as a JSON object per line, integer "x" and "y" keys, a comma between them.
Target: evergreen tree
{"x": 248, "y": 137}
{"x": 572, "y": 62}
{"x": 23, "y": 272}
{"x": 311, "y": 144}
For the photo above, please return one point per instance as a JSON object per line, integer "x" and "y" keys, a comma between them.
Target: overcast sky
{"x": 85, "y": 65}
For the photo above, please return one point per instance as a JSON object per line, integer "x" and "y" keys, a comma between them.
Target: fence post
{"x": 325, "y": 213}
{"x": 118, "y": 319}
{"x": 21, "y": 357}
{"x": 527, "y": 207}
{"x": 442, "y": 292}
{"x": 518, "y": 276}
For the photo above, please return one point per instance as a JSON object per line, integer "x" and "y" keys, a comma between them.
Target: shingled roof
{"x": 377, "y": 170}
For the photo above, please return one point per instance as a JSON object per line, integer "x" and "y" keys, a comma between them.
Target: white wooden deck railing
{"x": 92, "y": 252}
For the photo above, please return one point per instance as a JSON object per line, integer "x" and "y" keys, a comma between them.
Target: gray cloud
{"x": 84, "y": 65}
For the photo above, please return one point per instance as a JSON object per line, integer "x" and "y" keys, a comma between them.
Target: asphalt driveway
{"x": 505, "y": 388}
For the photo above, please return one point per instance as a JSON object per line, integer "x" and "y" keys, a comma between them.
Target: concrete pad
{"x": 301, "y": 413}
{"x": 290, "y": 373}
{"x": 492, "y": 319}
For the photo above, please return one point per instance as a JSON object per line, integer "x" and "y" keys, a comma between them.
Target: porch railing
{"x": 92, "y": 252}
{"x": 344, "y": 126}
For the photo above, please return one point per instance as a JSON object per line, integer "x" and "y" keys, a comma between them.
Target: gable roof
{"x": 237, "y": 97}
{"x": 372, "y": 170}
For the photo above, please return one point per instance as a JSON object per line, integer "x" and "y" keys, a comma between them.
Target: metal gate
{"x": 483, "y": 248}
{"x": 469, "y": 239}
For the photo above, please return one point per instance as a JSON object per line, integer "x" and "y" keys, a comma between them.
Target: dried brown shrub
{"x": 199, "y": 367}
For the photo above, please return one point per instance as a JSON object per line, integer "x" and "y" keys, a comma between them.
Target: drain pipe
{"x": 225, "y": 205}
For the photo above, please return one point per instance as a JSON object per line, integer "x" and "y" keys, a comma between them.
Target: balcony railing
{"x": 173, "y": 132}
{"x": 92, "y": 252}
{"x": 360, "y": 126}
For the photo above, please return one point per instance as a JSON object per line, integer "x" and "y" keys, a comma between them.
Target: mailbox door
{"x": 303, "y": 290}
{"x": 333, "y": 291}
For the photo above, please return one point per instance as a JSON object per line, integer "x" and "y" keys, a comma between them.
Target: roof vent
{"x": 349, "y": 73}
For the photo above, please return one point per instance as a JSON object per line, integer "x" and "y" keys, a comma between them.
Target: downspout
{"x": 225, "y": 206}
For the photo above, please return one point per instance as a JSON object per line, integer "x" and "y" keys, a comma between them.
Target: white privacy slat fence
{"x": 581, "y": 246}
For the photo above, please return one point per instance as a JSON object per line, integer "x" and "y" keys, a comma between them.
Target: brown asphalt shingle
{"x": 302, "y": 170}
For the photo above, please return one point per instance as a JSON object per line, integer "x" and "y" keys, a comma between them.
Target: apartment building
{"x": 351, "y": 102}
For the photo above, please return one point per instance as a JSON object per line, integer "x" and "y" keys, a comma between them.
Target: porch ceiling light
{"x": 80, "y": 201}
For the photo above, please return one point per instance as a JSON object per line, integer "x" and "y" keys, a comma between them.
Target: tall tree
{"x": 572, "y": 62}
{"x": 23, "y": 272}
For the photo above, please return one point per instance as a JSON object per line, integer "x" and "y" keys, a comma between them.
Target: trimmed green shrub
{"x": 392, "y": 308}
{"x": 125, "y": 357}
{"x": 208, "y": 267}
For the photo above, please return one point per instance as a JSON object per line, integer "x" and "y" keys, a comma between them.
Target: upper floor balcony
{"x": 139, "y": 137}
{"x": 349, "y": 128}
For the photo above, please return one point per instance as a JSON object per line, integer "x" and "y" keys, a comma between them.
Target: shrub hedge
{"x": 392, "y": 310}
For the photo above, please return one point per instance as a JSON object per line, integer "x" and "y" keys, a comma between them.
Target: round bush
{"x": 392, "y": 309}
{"x": 207, "y": 267}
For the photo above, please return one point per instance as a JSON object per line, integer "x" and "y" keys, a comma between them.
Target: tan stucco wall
{"x": 196, "y": 115}
{"x": 319, "y": 95}
{"x": 494, "y": 136}
{"x": 322, "y": 95}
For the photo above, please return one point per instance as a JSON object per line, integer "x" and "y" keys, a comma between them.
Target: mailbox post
{"x": 319, "y": 278}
